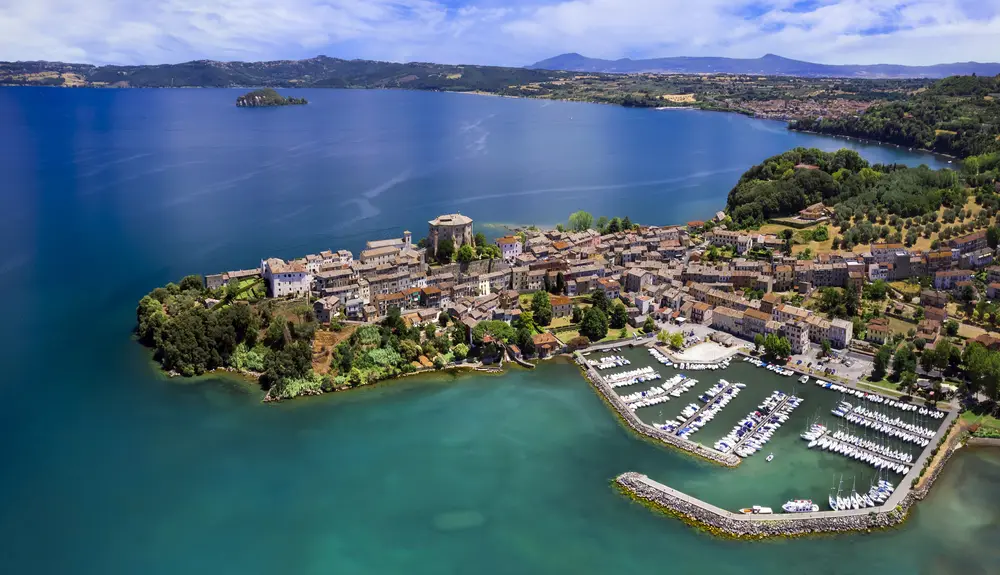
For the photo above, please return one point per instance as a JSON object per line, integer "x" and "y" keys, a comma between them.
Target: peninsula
{"x": 823, "y": 266}
{"x": 266, "y": 97}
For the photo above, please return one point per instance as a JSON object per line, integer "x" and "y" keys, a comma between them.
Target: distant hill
{"x": 959, "y": 116}
{"x": 769, "y": 65}
{"x": 318, "y": 72}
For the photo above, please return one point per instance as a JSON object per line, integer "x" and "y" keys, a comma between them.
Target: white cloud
{"x": 510, "y": 32}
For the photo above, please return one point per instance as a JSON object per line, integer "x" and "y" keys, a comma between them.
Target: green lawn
{"x": 897, "y": 325}
{"x": 987, "y": 421}
{"x": 567, "y": 335}
{"x": 883, "y": 385}
{"x": 558, "y": 322}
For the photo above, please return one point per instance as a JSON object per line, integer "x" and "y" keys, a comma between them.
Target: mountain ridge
{"x": 767, "y": 65}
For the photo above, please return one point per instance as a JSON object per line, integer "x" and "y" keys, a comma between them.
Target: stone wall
{"x": 983, "y": 442}
{"x": 474, "y": 268}
{"x": 750, "y": 526}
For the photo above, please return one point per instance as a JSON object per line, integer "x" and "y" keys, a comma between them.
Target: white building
{"x": 286, "y": 279}
{"x": 510, "y": 247}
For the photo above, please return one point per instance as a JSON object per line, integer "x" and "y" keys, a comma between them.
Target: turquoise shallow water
{"x": 109, "y": 468}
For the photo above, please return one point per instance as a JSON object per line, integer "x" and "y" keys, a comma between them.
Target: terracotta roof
{"x": 544, "y": 339}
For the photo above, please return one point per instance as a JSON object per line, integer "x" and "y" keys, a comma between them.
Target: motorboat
{"x": 800, "y": 506}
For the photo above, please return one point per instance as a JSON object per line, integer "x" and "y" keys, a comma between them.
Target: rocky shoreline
{"x": 637, "y": 425}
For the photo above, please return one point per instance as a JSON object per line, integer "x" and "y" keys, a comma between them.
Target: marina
{"x": 769, "y": 414}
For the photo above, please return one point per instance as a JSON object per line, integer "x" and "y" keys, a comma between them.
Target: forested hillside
{"x": 959, "y": 116}
{"x": 318, "y": 72}
{"x": 868, "y": 199}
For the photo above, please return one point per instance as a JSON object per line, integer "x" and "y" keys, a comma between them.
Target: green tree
{"x": 649, "y": 326}
{"x": 758, "y": 342}
{"x": 614, "y": 226}
{"x": 480, "y": 240}
{"x": 876, "y": 291}
{"x": 594, "y": 325}
{"x": 993, "y": 236}
{"x": 466, "y": 254}
{"x": 627, "y": 224}
{"x": 904, "y": 360}
{"x": 619, "y": 315}
{"x": 776, "y": 347}
{"x": 526, "y": 319}
{"x": 560, "y": 283}
{"x": 928, "y": 359}
{"x": 192, "y": 282}
{"x": 825, "y": 346}
{"x": 602, "y": 224}
{"x": 445, "y": 251}
{"x": 599, "y": 300}
{"x": 541, "y": 308}
{"x": 580, "y": 221}
{"x": 663, "y": 336}
{"x": 676, "y": 340}
{"x": 951, "y": 328}
{"x": 881, "y": 363}
{"x": 577, "y": 315}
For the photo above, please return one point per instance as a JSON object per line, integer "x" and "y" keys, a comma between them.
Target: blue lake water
{"x": 110, "y": 468}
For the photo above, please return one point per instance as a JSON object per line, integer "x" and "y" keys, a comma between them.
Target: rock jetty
{"x": 728, "y": 524}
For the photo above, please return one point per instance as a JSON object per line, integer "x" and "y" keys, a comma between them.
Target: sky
{"x": 499, "y": 32}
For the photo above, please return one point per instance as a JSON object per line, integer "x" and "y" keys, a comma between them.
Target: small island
{"x": 266, "y": 97}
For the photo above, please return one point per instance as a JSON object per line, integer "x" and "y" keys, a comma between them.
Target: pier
{"x": 888, "y": 458}
{"x": 900, "y": 430}
{"x": 704, "y": 408}
{"x": 753, "y": 431}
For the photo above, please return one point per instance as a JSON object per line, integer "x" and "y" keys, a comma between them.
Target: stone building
{"x": 454, "y": 227}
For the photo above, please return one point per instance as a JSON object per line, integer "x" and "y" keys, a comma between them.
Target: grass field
{"x": 567, "y": 335}
{"x": 990, "y": 423}
{"x": 897, "y": 325}
{"x": 907, "y": 289}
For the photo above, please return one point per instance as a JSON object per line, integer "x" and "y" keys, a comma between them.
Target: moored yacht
{"x": 800, "y": 506}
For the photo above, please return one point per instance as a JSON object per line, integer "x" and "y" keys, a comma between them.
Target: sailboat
{"x": 833, "y": 502}
{"x": 841, "y": 503}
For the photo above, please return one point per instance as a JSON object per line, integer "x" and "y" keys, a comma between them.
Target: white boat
{"x": 804, "y": 379}
{"x": 800, "y": 506}
{"x": 770, "y": 456}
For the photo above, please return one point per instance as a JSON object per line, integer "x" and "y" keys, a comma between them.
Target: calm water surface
{"x": 110, "y": 468}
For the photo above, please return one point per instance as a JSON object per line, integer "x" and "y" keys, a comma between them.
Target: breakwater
{"x": 644, "y": 429}
{"x": 724, "y": 523}
{"x": 727, "y": 524}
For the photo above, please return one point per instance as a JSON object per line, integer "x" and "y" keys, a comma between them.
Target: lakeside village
{"x": 330, "y": 321}
{"x": 460, "y": 300}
